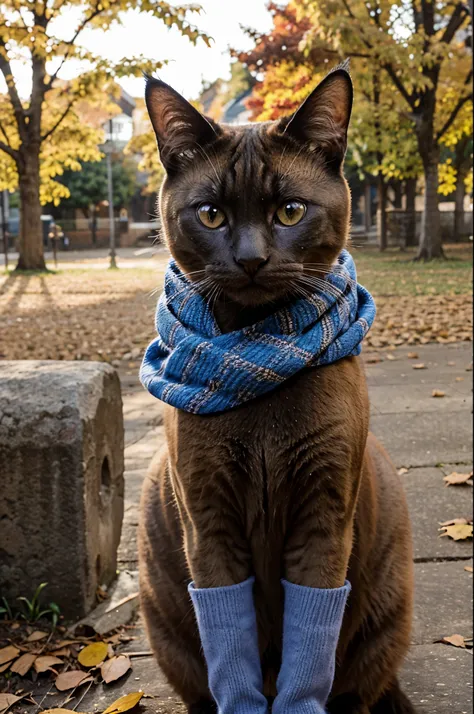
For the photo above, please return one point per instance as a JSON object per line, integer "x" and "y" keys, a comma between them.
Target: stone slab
{"x": 114, "y": 611}
{"x": 417, "y": 398}
{"x": 438, "y": 679}
{"x": 430, "y": 503}
{"x": 61, "y": 475}
{"x": 443, "y": 601}
{"x": 415, "y": 439}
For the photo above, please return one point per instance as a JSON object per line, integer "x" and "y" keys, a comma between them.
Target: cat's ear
{"x": 180, "y": 128}
{"x": 323, "y": 118}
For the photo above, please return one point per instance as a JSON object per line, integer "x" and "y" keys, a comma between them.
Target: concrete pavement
{"x": 427, "y": 436}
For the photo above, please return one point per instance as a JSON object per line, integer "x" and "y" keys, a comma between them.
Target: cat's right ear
{"x": 180, "y": 129}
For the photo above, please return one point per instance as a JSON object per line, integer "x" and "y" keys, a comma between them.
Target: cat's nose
{"x": 251, "y": 265}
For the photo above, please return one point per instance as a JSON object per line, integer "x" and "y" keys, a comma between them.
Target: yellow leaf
{"x": 462, "y": 531}
{"x": 93, "y": 654}
{"x": 124, "y": 703}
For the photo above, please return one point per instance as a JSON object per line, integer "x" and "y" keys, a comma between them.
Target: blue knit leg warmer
{"x": 311, "y": 625}
{"x": 228, "y": 628}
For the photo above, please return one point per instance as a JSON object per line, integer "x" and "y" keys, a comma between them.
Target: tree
{"x": 421, "y": 47}
{"x": 29, "y": 127}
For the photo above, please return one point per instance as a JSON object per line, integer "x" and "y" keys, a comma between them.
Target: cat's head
{"x": 256, "y": 210}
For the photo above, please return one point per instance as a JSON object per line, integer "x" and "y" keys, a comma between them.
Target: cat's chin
{"x": 255, "y": 295}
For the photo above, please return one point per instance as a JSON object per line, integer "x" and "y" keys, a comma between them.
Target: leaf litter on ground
{"x": 457, "y": 529}
{"x": 115, "y": 668}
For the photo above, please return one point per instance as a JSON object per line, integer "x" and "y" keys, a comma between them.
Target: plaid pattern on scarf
{"x": 195, "y": 367}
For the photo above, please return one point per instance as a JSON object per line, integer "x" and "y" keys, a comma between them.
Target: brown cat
{"x": 289, "y": 484}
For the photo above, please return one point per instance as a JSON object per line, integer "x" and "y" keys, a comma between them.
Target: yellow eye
{"x": 291, "y": 213}
{"x": 210, "y": 216}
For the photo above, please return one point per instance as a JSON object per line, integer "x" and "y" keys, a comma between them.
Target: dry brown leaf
{"x": 4, "y": 667}
{"x": 46, "y": 662}
{"x": 114, "y": 639}
{"x": 72, "y": 679}
{"x": 23, "y": 664}
{"x": 8, "y": 653}
{"x": 114, "y": 668}
{"x": 458, "y": 532}
{"x": 459, "y": 379}
{"x": 456, "y": 479}
{"x": 420, "y": 365}
{"x": 402, "y": 471}
{"x": 6, "y": 701}
{"x": 124, "y": 703}
{"x": 93, "y": 654}
{"x": 468, "y": 568}
{"x": 451, "y": 363}
{"x": 61, "y": 652}
{"x": 36, "y": 636}
{"x": 373, "y": 359}
{"x": 412, "y": 355}
{"x": 391, "y": 358}
{"x": 438, "y": 393}
{"x": 454, "y": 640}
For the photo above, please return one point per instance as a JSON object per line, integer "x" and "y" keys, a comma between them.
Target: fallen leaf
{"x": 42, "y": 664}
{"x": 61, "y": 652}
{"x": 8, "y": 653}
{"x": 114, "y": 668}
{"x": 402, "y": 471}
{"x": 124, "y": 703}
{"x": 72, "y": 679}
{"x": 390, "y": 357}
{"x": 437, "y": 393}
{"x": 454, "y": 640}
{"x": 110, "y": 651}
{"x": 458, "y": 532}
{"x": 455, "y": 479}
{"x": 114, "y": 639}
{"x": 451, "y": 364}
{"x": 459, "y": 379}
{"x": 4, "y": 667}
{"x": 112, "y": 607}
{"x": 412, "y": 355}
{"x": 373, "y": 359}
{"x": 6, "y": 701}
{"x": 468, "y": 568}
{"x": 36, "y": 636}
{"x": 469, "y": 368}
{"x": 420, "y": 365}
{"x": 23, "y": 664}
{"x": 93, "y": 654}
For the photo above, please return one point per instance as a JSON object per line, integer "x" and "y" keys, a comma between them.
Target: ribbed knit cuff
{"x": 315, "y": 608}
{"x": 224, "y": 607}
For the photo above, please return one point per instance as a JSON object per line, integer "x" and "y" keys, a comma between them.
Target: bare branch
{"x": 8, "y": 150}
{"x": 71, "y": 42}
{"x": 59, "y": 121}
{"x": 457, "y": 18}
{"x": 18, "y": 110}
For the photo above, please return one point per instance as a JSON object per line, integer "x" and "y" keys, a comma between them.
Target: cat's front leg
{"x": 219, "y": 560}
{"x": 318, "y": 546}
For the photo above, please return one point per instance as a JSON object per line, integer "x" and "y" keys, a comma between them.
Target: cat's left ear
{"x": 323, "y": 118}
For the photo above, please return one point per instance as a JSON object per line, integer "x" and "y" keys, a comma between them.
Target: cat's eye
{"x": 210, "y": 216}
{"x": 291, "y": 212}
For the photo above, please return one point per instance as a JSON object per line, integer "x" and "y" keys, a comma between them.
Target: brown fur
{"x": 290, "y": 484}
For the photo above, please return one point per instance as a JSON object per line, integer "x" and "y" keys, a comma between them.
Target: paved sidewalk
{"x": 430, "y": 437}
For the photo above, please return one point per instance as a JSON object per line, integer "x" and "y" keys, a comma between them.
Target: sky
{"x": 189, "y": 64}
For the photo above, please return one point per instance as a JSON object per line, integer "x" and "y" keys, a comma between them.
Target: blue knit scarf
{"x": 195, "y": 367}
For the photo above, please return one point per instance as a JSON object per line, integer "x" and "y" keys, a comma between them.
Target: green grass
{"x": 393, "y": 273}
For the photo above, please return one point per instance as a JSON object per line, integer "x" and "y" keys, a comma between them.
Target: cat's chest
{"x": 308, "y": 411}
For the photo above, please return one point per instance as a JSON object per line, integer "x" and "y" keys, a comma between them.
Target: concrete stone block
{"x": 61, "y": 480}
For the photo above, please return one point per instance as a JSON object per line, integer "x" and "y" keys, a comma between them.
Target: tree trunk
{"x": 382, "y": 209}
{"x": 410, "y": 196}
{"x": 31, "y": 235}
{"x": 367, "y": 208}
{"x": 397, "y": 194}
{"x": 430, "y": 239}
{"x": 459, "y": 207}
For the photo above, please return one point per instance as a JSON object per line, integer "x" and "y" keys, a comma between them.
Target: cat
{"x": 290, "y": 484}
